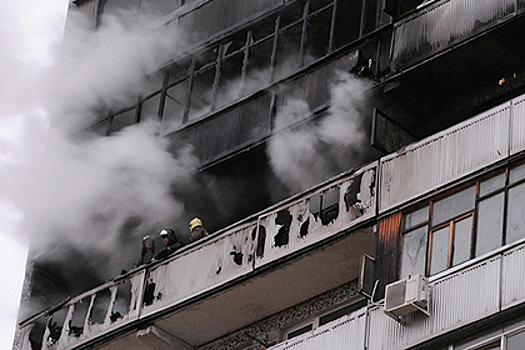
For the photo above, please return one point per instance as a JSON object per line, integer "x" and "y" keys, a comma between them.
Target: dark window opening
{"x": 55, "y": 325}
{"x": 149, "y": 293}
{"x": 76, "y": 324}
{"x": 305, "y": 226}
{"x": 284, "y": 219}
{"x": 325, "y": 206}
{"x": 300, "y": 331}
{"x": 347, "y": 310}
{"x": 261, "y": 240}
{"x": 237, "y": 255}
{"x": 101, "y": 306}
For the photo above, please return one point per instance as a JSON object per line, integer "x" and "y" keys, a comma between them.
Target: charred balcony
{"x": 452, "y": 59}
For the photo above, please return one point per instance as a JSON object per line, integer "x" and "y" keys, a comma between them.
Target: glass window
{"x": 175, "y": 102}
{"x": 454, "y": 205}
{"x": 517, "y": 174}
{"x": 150, "y": 108}
{"x": 416, "y": 217}
{"x": 439, "y": 253}
{"x": 492, "y": 184}
{"x": 516, "y": 341}
{"x": 490, "y": 224}
{"x": 318, "y": 35}
{"x": 121, "y": 120}
{"x": 462, "y": 239}
{"x": 414, "y": 252}
{"x": 288, "y": 60}
{"x": 300, "y": 331}
{"x": 516, "y": 214}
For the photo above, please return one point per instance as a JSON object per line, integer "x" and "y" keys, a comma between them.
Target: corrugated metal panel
{"x": 229, "y": 130}
{"x": 92, "y": 329}
{"x": 314, "y": 86}
{"x": 215, "y": 16}
{"x": 463, "y": 297}
{"x": 90, "y": 9}
{"x": 517, "y": 125}
{"x": 387, "y": 255}
{"x": 443, "y": 24}
{"x": 306, "y": 227}
{"x": 444, "y": 157}
{"x": 513, "y": 277}
{"x": 346, "y": 333}
{"x": 201, "y": 268}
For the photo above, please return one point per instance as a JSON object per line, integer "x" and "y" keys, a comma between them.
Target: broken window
{"x": 202, "y": 92}
{"x": 230, "y": 79}
{"x": 122, "y": 119}
{"x": 76, "y": 324}
{"x": 261, "y": 240}
{"x": 55, "y": 324}
{"x": 318, "y": 35}
{"x": 284, "y": 219}
{"x": 149, "y": 293}
{"x": 123, "y": 301}
{"x": 100, "y": 306}
{"x": 325, "y": 206}
{"x": 288, "y": 52}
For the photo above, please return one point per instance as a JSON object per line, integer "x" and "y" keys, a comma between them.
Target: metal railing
{"x": 443, "y": 24}
{"x": 223, "y": 257}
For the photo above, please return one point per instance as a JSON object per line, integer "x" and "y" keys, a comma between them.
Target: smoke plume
{"x": 302, "y": 154}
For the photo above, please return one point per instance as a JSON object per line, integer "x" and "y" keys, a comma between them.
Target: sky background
{"x": 29, "y": 30}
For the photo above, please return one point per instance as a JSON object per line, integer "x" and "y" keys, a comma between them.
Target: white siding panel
{"x": 455, "y": 300}
{"x": 346, "y": 333}
{"x": 201, "y": 268}
{"x": 513, "y": 277}
{"x": 363, "y": 181}
{"x": 444, "y": 157}
{"x": 518, "y": 125}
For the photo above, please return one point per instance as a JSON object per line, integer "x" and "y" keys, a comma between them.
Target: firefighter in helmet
{"x": 197, "y": 230}
{"x": 147, "y": 253}
{"x": 171, "y": 242}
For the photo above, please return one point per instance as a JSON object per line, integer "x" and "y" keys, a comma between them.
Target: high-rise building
{"x": 410, "y": 236}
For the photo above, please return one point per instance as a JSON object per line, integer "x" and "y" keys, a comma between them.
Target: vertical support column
{"x": 245, "y": 62}
{"x": 187, "y": 102}
{"x": 332, "y": 27}
{"x": 387, "y": 252}
{"x": 273, "y": 61}
{"x": 111, "y": 306}
{"x": 217, "y": 78}
{"x": 87, "y": 320}
{"x": 302, "y": 48}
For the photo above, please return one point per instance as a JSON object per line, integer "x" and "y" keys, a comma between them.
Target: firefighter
{"x": 147, "y": 253}
{"x": 197, "y": 230}
{"x": 171, "y": 242}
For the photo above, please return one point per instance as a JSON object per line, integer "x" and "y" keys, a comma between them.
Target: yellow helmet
{"x": 194, "y": 223}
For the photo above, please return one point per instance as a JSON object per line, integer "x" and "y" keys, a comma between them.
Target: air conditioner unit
{"x": 407, "y": 295}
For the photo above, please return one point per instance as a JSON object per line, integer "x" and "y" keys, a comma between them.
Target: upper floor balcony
{"x": 265, "y": 263}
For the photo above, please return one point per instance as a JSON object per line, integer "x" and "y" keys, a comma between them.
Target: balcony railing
{"x": 225, "y": 256}
{"x": 444, "y": 24}
{"x": 458, "y": 297}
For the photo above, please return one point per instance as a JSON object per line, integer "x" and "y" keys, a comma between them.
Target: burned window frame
{"x": 476, "y": 214}
{"x": 307, "y": 12}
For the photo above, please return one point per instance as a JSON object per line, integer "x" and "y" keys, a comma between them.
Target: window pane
{"x": 415, "y": 218}
{"x": 516, "y": 214}
{"x": 517, "y": 173}
{"x": 175, "y": 102}
{"x": 454, "y": 205}
{"x": 122, "y": 120}
{"x": 150, "y": 108}
{"x": 492, "y": 184}
{"x": 462, "y": 239}
{"x": 414, "y": 252}
{"x": 490, "y": 224}
{"x": 516, "y": 341}
{"x": 439, "y": 256}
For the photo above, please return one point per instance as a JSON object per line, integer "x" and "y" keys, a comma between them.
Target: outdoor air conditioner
{"x": 408, "y": 295}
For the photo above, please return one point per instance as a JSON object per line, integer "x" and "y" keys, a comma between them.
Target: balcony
{"x": 455, "y": 58}
{"x": 257, "y": 268}
{"x": 459, "y": 297}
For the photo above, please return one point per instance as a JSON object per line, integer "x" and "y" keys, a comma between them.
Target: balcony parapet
{"x": 459, "y": 297}
{"x": 444, "y": 24}
{"x": 224, "y": 257}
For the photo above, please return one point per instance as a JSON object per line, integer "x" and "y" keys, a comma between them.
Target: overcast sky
{"x": 29, "y": 29}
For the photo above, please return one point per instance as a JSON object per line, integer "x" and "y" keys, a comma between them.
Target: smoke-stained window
{"x": 465, "y": 224}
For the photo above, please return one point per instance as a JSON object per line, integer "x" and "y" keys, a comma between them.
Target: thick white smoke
{"x": 93, "y": 193}
{"x": 301, "y": 155}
